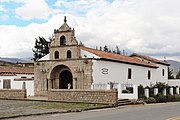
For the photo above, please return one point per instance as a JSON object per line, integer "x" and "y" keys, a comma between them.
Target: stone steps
{"x": 122, "y": 102}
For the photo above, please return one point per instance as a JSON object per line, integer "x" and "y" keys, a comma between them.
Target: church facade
{"x": 70, "y": 65}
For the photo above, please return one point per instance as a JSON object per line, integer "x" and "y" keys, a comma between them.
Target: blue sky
{"x": 149, "y": 27}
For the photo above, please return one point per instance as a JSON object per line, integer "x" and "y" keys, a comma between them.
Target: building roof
{"x": 16, "y": 70}
{"x": 119, "y": 58}
{"x": 150, "y": 59}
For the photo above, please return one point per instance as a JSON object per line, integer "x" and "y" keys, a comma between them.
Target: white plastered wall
{"x": 18, "y": 84}
{"x": 118, "y": 73}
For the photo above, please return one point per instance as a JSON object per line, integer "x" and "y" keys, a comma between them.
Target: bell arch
{"x": 62, "y": 40}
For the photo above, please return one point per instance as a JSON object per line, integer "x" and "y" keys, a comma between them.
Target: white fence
{"x": 120, "y": 88}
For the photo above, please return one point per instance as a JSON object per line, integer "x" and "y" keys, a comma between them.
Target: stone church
{"x": 63, "y": 65}
{"x": 73, "y": 65}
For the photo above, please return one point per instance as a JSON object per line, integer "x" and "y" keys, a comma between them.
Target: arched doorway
{"x": 65, "y": 78}
{"x": 60, "y": 77}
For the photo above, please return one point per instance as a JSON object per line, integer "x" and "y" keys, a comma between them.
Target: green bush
{"x": 170, "y": 98}
{"x": 168, "y": 90}
{"x": 177, "y": 97}
{"x": 141, "y": 96}
{"x": 151, "y": 91}
{"x": 161, "y": 86}
{"x": 141, "y": 91}
{"x": 160, "y": 98}
{"x": 173, "y": 98}
{"x": 150, "y": 100}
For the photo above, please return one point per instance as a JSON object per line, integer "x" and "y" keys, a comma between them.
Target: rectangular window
{"x": 6, "y": 84}
{"x": 23, "y": 77}
{"x": 162, "y": 72}
{"x": 129, "y": 73}
{"x": 149, "y": 74}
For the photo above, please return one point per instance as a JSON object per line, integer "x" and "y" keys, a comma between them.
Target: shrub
{"x": 173, "y": 98}
{"x": 160, "y": 98}
{"x": 177, "y": 97}
{"x": 170, "y": 98}
{"x": 151, "y": 91}
{"x": 141, "y": 96}
{"x": 141, "y": 91}
{"x": 161, "y": 86}
{"x": 150, "y": 100}
{"x": 168, "y": 90}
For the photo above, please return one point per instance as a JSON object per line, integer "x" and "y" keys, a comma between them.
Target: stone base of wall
{"x": 12, "y": 93}
{"x": 88, "y": 96}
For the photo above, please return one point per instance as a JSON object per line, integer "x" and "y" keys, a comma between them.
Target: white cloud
{"x": 142, "y": 26}
{"x": 16, "y": 1}
{"x": 2, "y": 9}
{"x": 35, "y": 9}
{"x": 4, "y": 17}
{"x": 19, "y": 41}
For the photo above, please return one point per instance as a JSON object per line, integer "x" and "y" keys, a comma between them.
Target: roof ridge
{"x": 117, "y": 57}
{"x": 149, "y": 58}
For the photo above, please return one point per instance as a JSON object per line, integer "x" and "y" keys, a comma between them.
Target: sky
{"x": 148, "y": 27}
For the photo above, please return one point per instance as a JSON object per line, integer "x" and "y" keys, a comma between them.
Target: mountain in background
{"x": 175, "y": 65}
{"x": 17, "y": 60}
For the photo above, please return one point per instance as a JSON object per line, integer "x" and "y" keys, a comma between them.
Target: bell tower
{"x": 64, "y": 44}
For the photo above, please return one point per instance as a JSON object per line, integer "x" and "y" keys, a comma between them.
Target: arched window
{"x": 68, "y": 54}
{"x": 63, "y": 40}
{"x": 56, "y": 55}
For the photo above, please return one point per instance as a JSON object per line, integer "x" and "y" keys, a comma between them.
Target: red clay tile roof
{"x": 16, "y": 70}
{"x": 119, "y": 58}
{"x": 150, "y": 59}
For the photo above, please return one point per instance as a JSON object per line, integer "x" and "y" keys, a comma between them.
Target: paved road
{"x": 147, "y": 112}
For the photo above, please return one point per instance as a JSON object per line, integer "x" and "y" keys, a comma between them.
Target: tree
{"x": 41, "y": 48}
{"x": 170, "y": 74}
{"x": 178, "y": 75}
{"x": 105, "y": 49}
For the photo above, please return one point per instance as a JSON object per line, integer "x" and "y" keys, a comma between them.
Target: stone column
{"x": 171, "y": 91}
{"x": 177, "y": 90}
{"x": 155, "y": 91}
{"x": 146, "y": 91}
{"x": 164, "y": 92}
{"x": 49, "y": 84}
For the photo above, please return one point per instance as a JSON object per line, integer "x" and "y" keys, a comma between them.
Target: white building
{"x": 13, "y": 78}
{"x": 135, "y": 69}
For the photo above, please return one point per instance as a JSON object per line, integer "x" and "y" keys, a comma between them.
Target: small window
{"x": 129, "y": 73}
{"x": 149, "y": 74}
{"x": 68, "y": 54}
{"x": 62, "y": 40}
{"x": 23, "y": 77}
{"x": 56, "y": 55}
{"x": 162, "y": 72}
{"x": 7, "y": 84}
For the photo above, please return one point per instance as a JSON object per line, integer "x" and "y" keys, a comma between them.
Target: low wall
{"x": 174, "y": 82}
{"x": 12, "y": 93}
{"x": 89, "y": 96}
